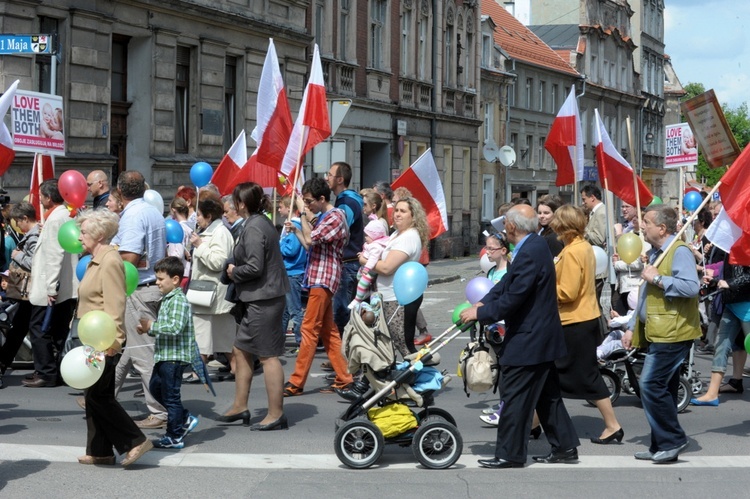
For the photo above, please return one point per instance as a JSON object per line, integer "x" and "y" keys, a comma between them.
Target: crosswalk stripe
{"x": 190, "y": 457}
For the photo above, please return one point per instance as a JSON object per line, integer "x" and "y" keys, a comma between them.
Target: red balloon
{"x": 73, "y": 188}
{"x": 689, "y": 189}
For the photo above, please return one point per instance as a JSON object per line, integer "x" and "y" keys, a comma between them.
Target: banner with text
{"x": 37, "y": 123}
{"x": 681, "y": 146}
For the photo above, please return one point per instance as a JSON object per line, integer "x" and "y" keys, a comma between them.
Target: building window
{"x": 529, "y": 86}
{"x": 489, "y": 121}
{"x": 488, "y": 197}
{"x": 42, "y": 63}
{"x": 320, "y": 22}
{"x": 230, "y": 101}
{"x": 378, "y": 12}
{"x": 448, "y": 177}
{"x": 486, "y": 51}
{"x": 553, "y": 98}
{"x": 448, "y": 56}
{"x": 469, "y": 61}
{"x": 540, "y": 156}
{"x": 466, "y": 160}
{"x": 181, "y": 100}
{"x": 119, "y": 69}
{"x": 527, "y": 152}
{"x": 407, "y": 47}
{"x": 425, "y": 32}
{"x": 344, "y": 17}
{"x": 542, "y": 91}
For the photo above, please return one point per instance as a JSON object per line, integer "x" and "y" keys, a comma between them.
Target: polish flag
{"x": 731, "y": 229}
{"x": 48, "y": 172}
{"x": 7, "y": 154}
{"x": 423, "y": 181}
{"x": 274, "y": 121}
{"x": 230, "y": 165}
{"x": 312, "y": 125}
{"x": 565, "y": 142}
{"x": 255, "y": 171}
{"x": 615, "y": 174}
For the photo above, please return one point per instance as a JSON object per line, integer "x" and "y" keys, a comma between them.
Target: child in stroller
{"x": 394, "y": 405}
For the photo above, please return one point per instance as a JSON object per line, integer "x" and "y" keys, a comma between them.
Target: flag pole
{"x": 39, "y": 179}
{"x": 273, "y": 214}
{"x": 681, "y": 192}
{"x": 296, "y": 174}
{"x": 635, "y": 182}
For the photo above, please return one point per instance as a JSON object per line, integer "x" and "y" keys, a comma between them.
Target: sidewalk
{"x": 453, "y": 269}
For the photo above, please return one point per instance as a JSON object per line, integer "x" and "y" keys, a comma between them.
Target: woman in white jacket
{"x": 213, "y": 244}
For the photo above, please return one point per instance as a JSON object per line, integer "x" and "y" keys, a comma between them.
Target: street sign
{"x": 25, "y": 44}
{"x": 337, "y": 109}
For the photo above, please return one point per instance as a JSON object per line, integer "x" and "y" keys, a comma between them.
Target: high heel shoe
{"x": 231, "y": 418}
{"x": 536, "y": 432}
{"x": 608, "y": 440}
{"x": 279, "y": 424}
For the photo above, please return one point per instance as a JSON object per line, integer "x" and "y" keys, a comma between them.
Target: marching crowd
{"x": 233, "y": 285}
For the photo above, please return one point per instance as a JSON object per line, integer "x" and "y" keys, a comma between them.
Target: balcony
{"x": 415, "y": 94}
{"x": 339, "y": 77}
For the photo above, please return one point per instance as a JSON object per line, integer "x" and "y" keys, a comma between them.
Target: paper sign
{"x": 712, "y": 132}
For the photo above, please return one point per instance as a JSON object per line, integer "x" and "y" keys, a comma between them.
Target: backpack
{"x": 477, "y": 365}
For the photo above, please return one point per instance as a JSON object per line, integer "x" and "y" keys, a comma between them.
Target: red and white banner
{"x": 615, "y": 174}
{"x": 47, "y": 171}
{"x": 38, "y": 123}
{"x": 423, "y": 181}
{"x": 731, "y": 229}
{"x": 312, "y": 125}
{"x": 7, "y": 154}
{"x": 565, "y": 142}
{"x": 274, "y": 121}
{"x": 230, "y": 165}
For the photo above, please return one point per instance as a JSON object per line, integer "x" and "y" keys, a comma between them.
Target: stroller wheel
{"x": 684, "y": 394}
{"x": 358, "y": 443}
{"x": 612, "y": 382}
{"x": 437, "y": 444}
{"x": 437, "y": 413}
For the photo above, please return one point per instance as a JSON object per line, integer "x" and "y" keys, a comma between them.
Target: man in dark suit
{"x": 526, "y": 299}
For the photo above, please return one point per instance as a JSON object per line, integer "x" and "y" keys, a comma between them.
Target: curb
{"x": 443, "y": 279}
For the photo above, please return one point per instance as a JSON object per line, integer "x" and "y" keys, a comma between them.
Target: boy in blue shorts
{"x": 174, "y": 350}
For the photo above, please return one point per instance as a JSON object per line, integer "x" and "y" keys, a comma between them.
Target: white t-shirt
{"x": 407, "y": 242}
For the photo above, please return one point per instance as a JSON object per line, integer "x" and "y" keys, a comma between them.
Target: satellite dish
{"x": 490, "y": 151}
{"x": 507, "y": 156}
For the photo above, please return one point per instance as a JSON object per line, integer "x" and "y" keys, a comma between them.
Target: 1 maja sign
{"x": 681, "y": 147}
{"x": 25, "y": 44}
{"x": 37, "y": 123}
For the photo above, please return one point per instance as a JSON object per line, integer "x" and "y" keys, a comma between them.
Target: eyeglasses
{"x": 491, "y": 249}
{"x": 307, "y": 201}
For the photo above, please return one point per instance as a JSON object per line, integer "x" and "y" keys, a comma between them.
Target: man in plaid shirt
{"x": 324, "y": 234}
{"x": 174, "y": 350}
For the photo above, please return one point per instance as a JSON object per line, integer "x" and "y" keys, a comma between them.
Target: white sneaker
{"x": 492, "y": 409}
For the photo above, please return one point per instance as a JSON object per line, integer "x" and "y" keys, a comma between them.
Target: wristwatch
{"x": 657, "y": 280}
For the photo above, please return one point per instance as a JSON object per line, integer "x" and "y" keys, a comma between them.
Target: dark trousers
{"x": 166, "y": 381}
{"x": 345, "y": 294}
{"x": 16, "y": 334}
{"x": 525, "y": 388}
{"x": 107, "y": 422}
{"x": 47, "y": 345}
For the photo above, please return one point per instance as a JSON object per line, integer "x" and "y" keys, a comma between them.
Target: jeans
{"x": 166, "y": 380}
{"x": 345, "y": 294}
{"x": 659, "y": 382}
{"x": 729, "y": 327}
{"x": 293, "y": 309}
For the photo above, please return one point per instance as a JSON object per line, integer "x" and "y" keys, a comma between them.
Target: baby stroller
{"x": 407, "y": 388}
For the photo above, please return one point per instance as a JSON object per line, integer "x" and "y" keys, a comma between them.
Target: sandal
{"x": 332, "y": 388}
{"x": 291, "y": 391}
{"x": 732, "y": 386}
{"x": 326, "y": 366}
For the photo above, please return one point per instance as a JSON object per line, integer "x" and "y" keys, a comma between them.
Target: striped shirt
{"x": 173, "y": 329}
{"x": 329, "y": 236}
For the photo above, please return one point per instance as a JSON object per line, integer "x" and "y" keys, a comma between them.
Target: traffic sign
{"x": 25, "y": 44}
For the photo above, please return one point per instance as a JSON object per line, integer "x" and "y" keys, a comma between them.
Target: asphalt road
{"x": 42, "y": 431}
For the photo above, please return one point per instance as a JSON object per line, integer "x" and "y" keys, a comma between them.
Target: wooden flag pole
{"x": 635, "y": 184}
{"x": 296, "y": 175}
{"x": 39, "y": 179}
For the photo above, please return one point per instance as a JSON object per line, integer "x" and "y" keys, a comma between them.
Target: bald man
{"x": 98, "y": 187}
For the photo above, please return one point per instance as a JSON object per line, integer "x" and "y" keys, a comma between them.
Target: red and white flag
{"x": 7, "y": 154}
{"x": 615, "y": 174}
{"x": 230, "y": 165}
{"x": 313, "y": 124}
{"x": 565, "y": 142}
{"x": 423, "y": 181}
{"x": 731, "y": 229}
{"x": 255, "y": 171}
{"x": 274, "y": 121}
{"x": 48, "y": 172}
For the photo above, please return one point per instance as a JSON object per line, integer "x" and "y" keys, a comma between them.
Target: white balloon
{"x": 76, "y": 372}
{"x": 485, "y": 263}
{"x": 601, "y": 260}
{"x": 154, "y": 199}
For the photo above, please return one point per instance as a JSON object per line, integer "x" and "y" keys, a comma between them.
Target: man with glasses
{"x": 98, "y": 187}
{"x": 350, "y": 202}
{"x": 324, "y": 234}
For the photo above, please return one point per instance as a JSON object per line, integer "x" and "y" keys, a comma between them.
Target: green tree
{"x": 738, "y": 120}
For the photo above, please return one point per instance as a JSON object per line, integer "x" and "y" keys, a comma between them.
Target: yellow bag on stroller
{"x": 393, "y": 419}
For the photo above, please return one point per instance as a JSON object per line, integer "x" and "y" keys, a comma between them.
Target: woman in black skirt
{"x": 575, "y": 267}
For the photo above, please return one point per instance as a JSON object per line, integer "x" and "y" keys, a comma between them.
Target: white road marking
{"x": 189, "y": 458}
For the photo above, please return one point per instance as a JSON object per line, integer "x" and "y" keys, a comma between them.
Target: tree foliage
{"x": 738, "y": 119}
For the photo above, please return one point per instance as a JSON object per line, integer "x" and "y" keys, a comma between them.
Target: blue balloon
{"x": 201, "y": 173}
{"x": 83, "y": 264}
{"x": 692, "y": 201}
{"x": 175, "y": 234}
{"x": 409, "y": 282}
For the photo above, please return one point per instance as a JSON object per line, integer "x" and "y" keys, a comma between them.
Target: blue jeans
{"x": 166, "y": 381}
{"x": 659, "y": 382}
{"x": 345, "y": 294}
{"x": 293, "y": 309}
{"x": 729, "y": 326}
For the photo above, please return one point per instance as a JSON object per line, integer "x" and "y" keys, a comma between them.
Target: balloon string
{"x": 394, "y": 315}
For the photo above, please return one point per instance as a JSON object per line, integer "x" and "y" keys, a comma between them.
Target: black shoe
{"x": 618, "y": 435}
{"x": 279, "y": 424}
{"x": 231, "y": 418}
{"x": 498, "y": 464}
{"x": 558, "y": 456}
{"x": 536, "y": 432}
{"x": 353, "y": 392}
{"x": 1, "y": 382}
{"x": 31, "y": 376}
